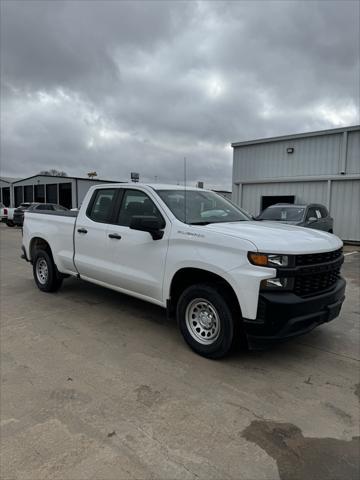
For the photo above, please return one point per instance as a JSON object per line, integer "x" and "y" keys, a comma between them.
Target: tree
{"x": 53, "y": 172}
{"x": 92, "y": 174}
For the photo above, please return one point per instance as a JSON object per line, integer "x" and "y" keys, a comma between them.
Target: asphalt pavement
{"x": 98, "y": 385}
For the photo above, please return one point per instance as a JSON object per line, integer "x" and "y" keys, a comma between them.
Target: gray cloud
{"x": 121, "y": 86}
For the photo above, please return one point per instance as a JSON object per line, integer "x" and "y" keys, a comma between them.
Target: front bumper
{"x": 284, "y": 315}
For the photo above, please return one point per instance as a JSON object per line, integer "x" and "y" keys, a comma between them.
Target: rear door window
{"x": 101, "y": 206}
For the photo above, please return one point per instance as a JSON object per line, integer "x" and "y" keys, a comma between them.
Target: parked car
{"x": 313, "y": 215}
{"x": 10, "y": 213}
{"x": 30, "y": 207}
{"x": 193, "y": 252}
{"x": 7, "y": 214}
{"x": 52, "y": 207}
{"x": 19, "y": 213}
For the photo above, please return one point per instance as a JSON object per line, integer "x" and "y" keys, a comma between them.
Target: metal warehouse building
{"x": 66, "y": 191}
{"x": 6, "y": 190}
{"x": 316, "y": 167}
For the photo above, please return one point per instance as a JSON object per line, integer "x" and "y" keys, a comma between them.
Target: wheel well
{"x": 36, "y": 244}
{"x": 190, "y": 276}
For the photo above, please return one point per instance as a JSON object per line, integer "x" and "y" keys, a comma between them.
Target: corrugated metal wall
{"x": 344, "y": 207}
{"x": 319, "y": 155}
{"x": 353, "y": 153}
{"x": 344, "y": 201}
{"x": 331, "y": 157}
{"x": 303, "y": 191}
{"x": 43, "y": 180}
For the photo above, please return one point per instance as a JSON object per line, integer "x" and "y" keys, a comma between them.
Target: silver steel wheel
{"x": 202, "y": 321}
{"x": 42, "y": 271}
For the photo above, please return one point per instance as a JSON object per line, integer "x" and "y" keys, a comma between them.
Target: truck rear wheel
{"x": 10, "y": 223}
{"x": 45, "y": 272}
{"x": 206, "y": 321}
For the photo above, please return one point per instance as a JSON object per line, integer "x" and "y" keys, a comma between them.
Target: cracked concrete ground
{"x": 97, "y": 385}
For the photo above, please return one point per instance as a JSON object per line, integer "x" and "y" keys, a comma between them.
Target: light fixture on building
{"x": 135, "y": 177}
{"x": 290, "y": 150}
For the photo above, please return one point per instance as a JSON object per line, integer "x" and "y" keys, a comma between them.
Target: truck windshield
{"x": 200, "y": 208}
{"x": 283, "y": 214}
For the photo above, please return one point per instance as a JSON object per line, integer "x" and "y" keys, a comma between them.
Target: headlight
{"x": 278, "y": 260}
{"x": 268, "y": 260}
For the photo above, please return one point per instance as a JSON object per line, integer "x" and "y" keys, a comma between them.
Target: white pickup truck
{"x": 226, "y": 278}
{"x": 7, "y": 213}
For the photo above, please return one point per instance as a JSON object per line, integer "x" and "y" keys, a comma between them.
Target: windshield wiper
{"x": 200, "y": 223}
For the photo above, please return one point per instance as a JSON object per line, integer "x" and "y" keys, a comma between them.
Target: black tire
{"x": 189, "y": 321}
{"x": 9, "y": 223}
{"x": 331, "y": 230}
{"x": 49, "y": 280}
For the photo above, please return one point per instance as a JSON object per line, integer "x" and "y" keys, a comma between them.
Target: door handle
{"x": 114, "y": 235}
{"x": 82, "y": 230}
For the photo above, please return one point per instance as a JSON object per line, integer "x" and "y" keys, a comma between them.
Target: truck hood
{"x": 274, "y": 237}
{"x": 287, "y": 222}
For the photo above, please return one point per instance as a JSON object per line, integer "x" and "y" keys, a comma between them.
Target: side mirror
{"x": 312, "y": 219}
{"x": 150, "y": 224}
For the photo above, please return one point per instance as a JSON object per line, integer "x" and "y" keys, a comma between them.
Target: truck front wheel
{"x": 205, "y": 320}
{"x": 45, "y": 272}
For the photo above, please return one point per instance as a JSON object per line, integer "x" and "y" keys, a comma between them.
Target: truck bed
{"x": 65, "y": 213}
{"x": 57, "y": 228}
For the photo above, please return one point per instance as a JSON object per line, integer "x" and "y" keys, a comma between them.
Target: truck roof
{"x": 164, "y": 186}
{"x": 154, "y": 186}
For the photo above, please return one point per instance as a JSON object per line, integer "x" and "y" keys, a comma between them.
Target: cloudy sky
{"x": 124, "y": 86}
